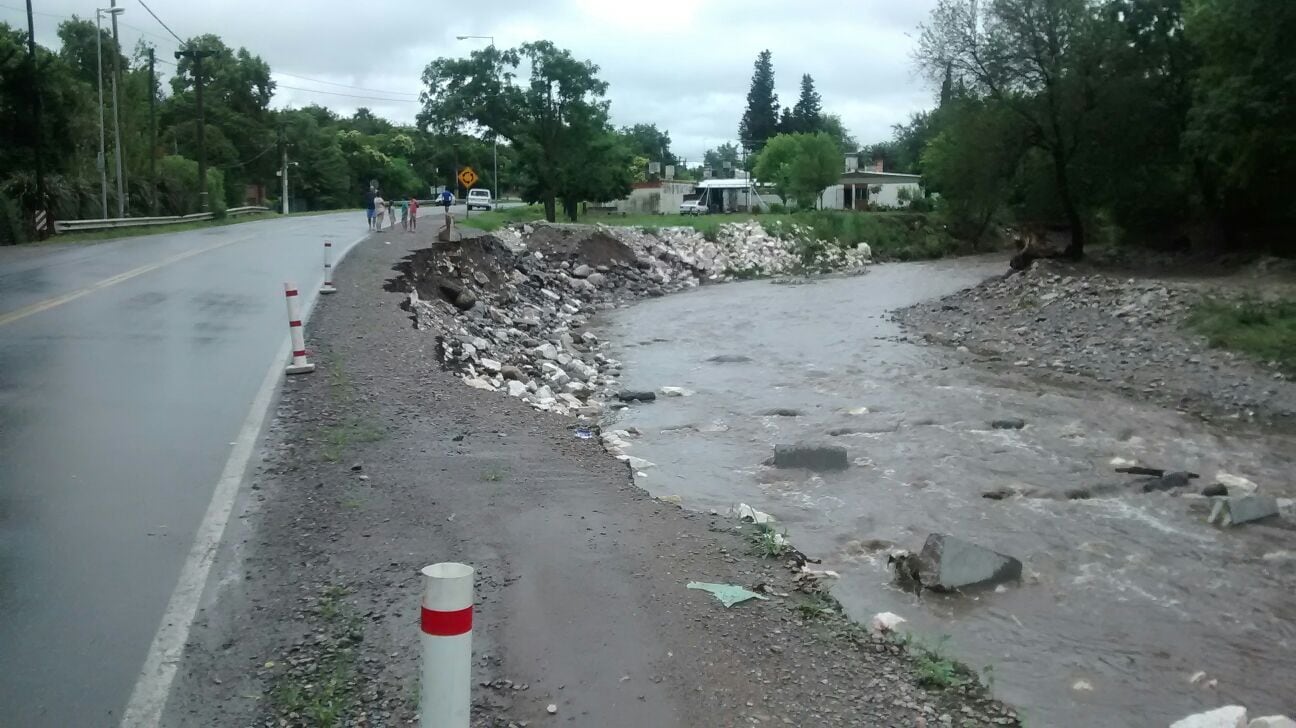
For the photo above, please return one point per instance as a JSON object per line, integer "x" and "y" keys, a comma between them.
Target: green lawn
{"x": 1264, "y": 330}
{"x": 891, "y": 235}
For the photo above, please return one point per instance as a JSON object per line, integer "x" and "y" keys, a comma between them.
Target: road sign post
{"x": 467, "y": 178}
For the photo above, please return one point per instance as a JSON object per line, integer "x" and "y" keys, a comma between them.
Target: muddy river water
{"x": 1125, "y": 599}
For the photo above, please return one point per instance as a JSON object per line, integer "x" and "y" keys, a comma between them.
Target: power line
{"x": 164, "y": 25}
{"x": 350, "y": 96}
{"x": 343, "y": 85}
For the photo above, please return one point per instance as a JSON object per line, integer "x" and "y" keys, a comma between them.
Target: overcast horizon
{"x": 684, "y": 66}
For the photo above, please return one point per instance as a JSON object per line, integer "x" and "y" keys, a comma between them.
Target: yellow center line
{"x": 49, "y": 303}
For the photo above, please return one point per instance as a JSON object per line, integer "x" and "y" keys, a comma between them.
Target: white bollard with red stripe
{"x": 299, "y": 364}
{"x": 328, "y": 269}
{"x": 445, "y": 692}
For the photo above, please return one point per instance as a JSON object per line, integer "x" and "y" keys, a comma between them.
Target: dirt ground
{"x": 380, "y": 463}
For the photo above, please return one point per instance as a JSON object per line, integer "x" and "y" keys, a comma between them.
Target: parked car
{"x": 480, "y": 199}
{"x": 693, "y": 207}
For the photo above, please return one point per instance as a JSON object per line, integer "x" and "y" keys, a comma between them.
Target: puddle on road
{"x": 1132, "y": 595}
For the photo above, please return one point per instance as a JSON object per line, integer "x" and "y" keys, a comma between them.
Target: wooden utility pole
{"x": 117, "y": 138}
{"x": 41, "y": 202}
{"x": 153, "y": 132}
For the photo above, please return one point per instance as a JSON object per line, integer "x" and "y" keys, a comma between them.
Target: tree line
{"x": 1168, "y": 123}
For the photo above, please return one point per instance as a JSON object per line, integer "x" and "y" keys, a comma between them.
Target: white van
{"x": 480, "y": 199}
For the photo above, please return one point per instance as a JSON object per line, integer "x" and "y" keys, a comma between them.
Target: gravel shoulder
{"x": 382, "y": 462}
{"x": 1083, "y": 326}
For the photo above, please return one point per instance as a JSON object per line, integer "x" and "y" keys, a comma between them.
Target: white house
{"x": 869, "y": 186}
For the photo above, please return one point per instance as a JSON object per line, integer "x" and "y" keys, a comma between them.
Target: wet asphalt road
{"x": 126, "y": 369}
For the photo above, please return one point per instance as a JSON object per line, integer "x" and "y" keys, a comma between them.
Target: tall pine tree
{"x": 760, "y": 120}
{"x": 807, "y": 115}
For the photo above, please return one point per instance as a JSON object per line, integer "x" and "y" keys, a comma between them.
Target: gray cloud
{"x": 684, "y": 65}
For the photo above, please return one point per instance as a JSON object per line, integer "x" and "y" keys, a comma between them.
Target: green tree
{"x": 800, "y": 166}
{"x": 646, "y": 140}
{"x": 1242, "y": 126}
{"x": 831, "y": 124}
{"x": 1040, "y": 58}
{"x": 725, "y": 156}
{"x": 807, "y": 115}
{"x": 760, "y": 120}
{"x": 974, "y": 178}
{"x": 557, "y": 109}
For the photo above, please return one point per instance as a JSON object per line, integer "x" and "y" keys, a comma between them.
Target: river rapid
{"x": 1127, "y": 599}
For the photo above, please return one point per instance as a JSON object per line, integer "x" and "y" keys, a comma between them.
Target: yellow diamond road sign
{"x": 467, "y": 177}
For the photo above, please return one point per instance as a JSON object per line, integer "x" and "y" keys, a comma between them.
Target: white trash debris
{"x": 675, "y": 392}
{"x": 751, "y": 515}
{"x": 886, "y": 622}
{"x": 1235, "y": 483}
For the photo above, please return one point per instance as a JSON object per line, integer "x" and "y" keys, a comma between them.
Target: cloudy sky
{"x": 684, "y": 65}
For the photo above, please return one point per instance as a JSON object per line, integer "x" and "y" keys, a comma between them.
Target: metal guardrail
{"x": 68, "y": 226}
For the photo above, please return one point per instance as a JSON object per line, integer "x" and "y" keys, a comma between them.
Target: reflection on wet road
{"x": 125, "y": 370}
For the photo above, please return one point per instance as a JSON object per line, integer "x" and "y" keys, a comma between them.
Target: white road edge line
{"x": 153, "y": 687}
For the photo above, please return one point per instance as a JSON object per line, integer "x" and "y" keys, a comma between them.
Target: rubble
{"x": 509, "y": 308}
{"x": 1130, "y": 334}
{"x": 947, "y": 563}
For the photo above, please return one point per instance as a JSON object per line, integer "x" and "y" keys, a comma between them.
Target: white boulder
{"x": 1230, "y": 716}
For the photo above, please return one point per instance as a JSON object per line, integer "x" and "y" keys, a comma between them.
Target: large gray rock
{"x": 811, "y": 457}
{"x": 948, "y": 563}
{"x": 1236, "y": 510}
{"x": 630, "y": 395}
{"x": 582, "y": 271}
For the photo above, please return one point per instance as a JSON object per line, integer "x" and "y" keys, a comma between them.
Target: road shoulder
{"x": 380, "y": 463}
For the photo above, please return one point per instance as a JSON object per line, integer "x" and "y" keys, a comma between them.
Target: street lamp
{"x": 494, "y": 137}
{"x": 103, "y": 154}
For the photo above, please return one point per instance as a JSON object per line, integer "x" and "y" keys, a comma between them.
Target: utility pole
{"x": 153, "y": 133}
{"x": 197, "y": 57}
{"x": 283, "y": 144}
{"x": 103, "y": 149}
{"x": 36, "y": 117}
{"x": 121, "y": 181}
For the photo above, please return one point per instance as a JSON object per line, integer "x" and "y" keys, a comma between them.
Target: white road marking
{"x": 153, "y": 687}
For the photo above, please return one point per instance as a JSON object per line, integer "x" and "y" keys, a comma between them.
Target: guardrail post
{"x": 445, "y": 690}
{"x": 328, "y": 269}
{"x": 299, "y": 364}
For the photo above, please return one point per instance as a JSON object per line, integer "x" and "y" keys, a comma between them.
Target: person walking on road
{"x": 380, "y": 205}
{"x": 413, "y": 214}
{"x": 404, "y": 208}
{"x": 391, "y": 214}
{"x": 370, "y": 194}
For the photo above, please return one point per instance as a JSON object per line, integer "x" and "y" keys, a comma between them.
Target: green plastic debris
{"x": 728, "y": 594}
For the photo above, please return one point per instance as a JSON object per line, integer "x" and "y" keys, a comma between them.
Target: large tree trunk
{"x": 551, "y": 209}
{"x": 1074, "y": 249}
{"x": 572, "y": 208}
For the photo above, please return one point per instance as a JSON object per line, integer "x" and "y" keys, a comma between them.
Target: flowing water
{"x": 1125, "y": 598}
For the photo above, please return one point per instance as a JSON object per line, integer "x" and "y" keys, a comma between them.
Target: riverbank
{"x": 1084, "y": 326}
{"x": 383, "y": 461}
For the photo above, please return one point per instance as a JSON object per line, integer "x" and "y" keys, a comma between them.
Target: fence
{"x": 68, "y": 226}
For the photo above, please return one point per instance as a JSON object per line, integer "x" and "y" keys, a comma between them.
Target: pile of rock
{"x": 1126, "y": 332}
{"x": 509, "y": 309}
{"x": 746, "y": 249}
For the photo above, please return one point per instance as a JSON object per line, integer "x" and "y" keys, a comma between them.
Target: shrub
{"x": 12, "y": 229}
{"x": 778, "y": 208}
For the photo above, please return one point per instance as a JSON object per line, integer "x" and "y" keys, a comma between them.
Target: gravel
{"x": 1128, "y": 334}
